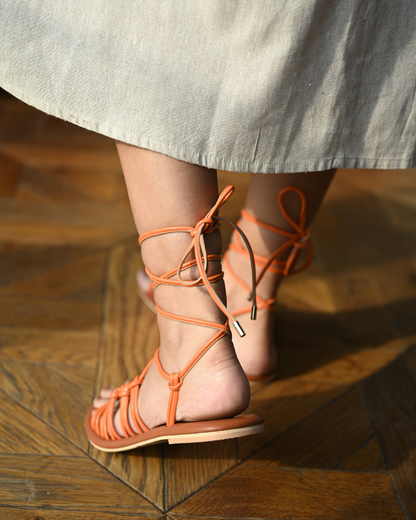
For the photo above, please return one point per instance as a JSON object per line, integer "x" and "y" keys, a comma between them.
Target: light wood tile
{"x": 71, "y": 347}
{"x": 83, "y": 377}
{"x": 32, "y": 312}
{"x": 192, "y": 466}
{"x": 65, "y": 483}
{"x": 48, "y": 395}
{"x": 79, "y": 280}
{"x": 89, "y": 222}
{"x": 23, "y": 433}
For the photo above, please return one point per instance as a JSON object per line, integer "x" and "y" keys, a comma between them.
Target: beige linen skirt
{"x": 243, "y": 85}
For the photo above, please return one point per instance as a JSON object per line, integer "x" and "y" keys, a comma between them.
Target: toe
{"x": 106, "y": 392}
{"x": 98, "y": 402}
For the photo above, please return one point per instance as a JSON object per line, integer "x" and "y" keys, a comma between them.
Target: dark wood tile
{"x": 67, "y": 484}
{"x": 367, "y": 458}
{"x": 8, "y": 513}
{"x": 284, "y": 404}
{"x": 247, "y": 492}
{"x": 323, "y": 440}
{"x": 19, "y": 121}
{"x": 411, "y": 356}
{"x": 9, "y": 176}
{"x": 390, "y": 399}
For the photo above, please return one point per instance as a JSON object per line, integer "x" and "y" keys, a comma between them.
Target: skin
{"x": 182, "y": 194}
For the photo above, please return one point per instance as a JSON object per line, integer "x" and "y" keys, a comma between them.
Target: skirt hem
{"x": 214, "y": 162}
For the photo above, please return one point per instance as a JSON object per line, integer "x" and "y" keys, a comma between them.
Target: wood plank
{"x": 47, "y": 153}
{"x": 128, "y": 340}
{"x": 192, "y": 466}
{"x": 53, "y": 482}
{"x": 84, "y": 377}
{"x": 390, "y": 399}
{"x": 32, "y": 312}
{"x": 375, "y": 231}
{"x": 283, "y": 404}
{"x": 88, "y": 223}
{"x": 97, "y": 184}
{"x": 20, "y": 121}
{"x": 10, "y": 173}
{"x": 318, "y": 364}
{"x": 308, "y": 291}
{"x": 411, "y": 357}
{"x": 323, "y": 440}
{"x": 49, "y": 396}
{"x": 80, "y": 279}
{"x": 38, "y": 185}
{"x": 367, "y": 458}
{"x": 70, "y": 347}
{"x": 65, "y": 185}
{"x": 18, "y": 262}
{"x": 22, "y": 432}
{"x": 350, "y": 236}
{"x": 8, "y": 513}
{"x": 247, "y": 492}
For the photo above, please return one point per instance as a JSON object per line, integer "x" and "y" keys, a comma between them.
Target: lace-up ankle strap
{"x": 207, "y": 225}
{"x": 296, "y": 240}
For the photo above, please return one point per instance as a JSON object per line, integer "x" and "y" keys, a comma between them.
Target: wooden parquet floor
{"x": 340, "y": 440}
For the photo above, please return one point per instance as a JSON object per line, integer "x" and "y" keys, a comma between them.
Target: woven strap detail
{"x": 102, "y": 421}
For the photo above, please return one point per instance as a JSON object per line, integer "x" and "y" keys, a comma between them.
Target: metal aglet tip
{"x": 250, "y": 296}
{"x": 239, "y": 329}
{"x": 254, "y": 312}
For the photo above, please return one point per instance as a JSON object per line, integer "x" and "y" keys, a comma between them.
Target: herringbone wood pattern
{"x": 340, "y": 420}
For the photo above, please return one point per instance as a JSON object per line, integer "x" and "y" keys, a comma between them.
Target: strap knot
{"x": 304, "y": 235}
{"x": 174, "y": 382}
{"x": 207, "y": 225}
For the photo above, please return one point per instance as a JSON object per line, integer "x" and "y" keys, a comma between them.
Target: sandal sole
{"x": 181, "y": 433}
{"x": 189, "y": 438}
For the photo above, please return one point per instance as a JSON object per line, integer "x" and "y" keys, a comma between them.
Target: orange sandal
{"x": 99, "y": 425}
{"x": 296, "y": 241}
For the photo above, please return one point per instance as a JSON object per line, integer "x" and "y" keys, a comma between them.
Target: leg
{"x": 256, "y": 352}
{"x": 165, "y": 192}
